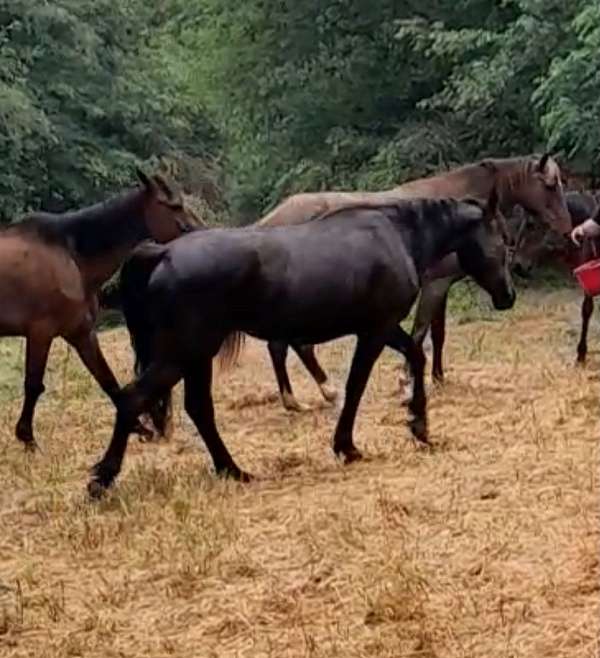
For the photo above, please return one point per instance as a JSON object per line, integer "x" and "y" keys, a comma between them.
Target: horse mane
{"x": 88, "y": 231}
{"x": 392, "y": 204}
{"x": 85, "y": 227}
{"x": 511, "y": 173}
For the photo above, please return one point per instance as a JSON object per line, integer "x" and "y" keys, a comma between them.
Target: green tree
{"x": 87, "y": 89}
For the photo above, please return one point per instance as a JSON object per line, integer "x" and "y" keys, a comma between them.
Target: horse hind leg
{"x": 431, "y": 306}
{"x": 36, "y": 358}
{"x": 400, "y": 341}
{"x": 278, "y": 352}
{"x": 307, "y": 355}
{"x": 587, "y": 308}
{"x": 199, "y": 406}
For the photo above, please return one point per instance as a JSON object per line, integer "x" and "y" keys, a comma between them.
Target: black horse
{"x": 353, "y": 271}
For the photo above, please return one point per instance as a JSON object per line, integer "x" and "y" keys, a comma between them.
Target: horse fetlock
{"x": 418, "y": 427}
{"x": 438, "y": 376}
{"x": 34, "y": 390}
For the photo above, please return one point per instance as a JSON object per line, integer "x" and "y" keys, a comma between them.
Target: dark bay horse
{"x": 536, "y": 249}
{"x": 531, "y": 182}
{"x": 51, "y": 267}
{"x": 352, "y": 272}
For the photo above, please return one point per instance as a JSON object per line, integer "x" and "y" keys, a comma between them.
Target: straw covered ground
{"x": 487, "y": 547}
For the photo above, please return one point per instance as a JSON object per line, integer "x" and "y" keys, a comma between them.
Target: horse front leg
{"x": 87, "y": 347}
{"x": 136, "y": 398}
{"x": 199, "y": 407}
{"x": 36, "y": 359}
{"x": 368, "y": 349}
{"x": 587, "y": 308}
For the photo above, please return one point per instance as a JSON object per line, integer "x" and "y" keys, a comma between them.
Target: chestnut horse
{"x": 531, "y": 182}
{"x": 536, "y": 250}
{"x": 52, "y": 266}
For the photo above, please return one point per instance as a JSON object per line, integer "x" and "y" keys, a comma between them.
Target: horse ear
{"x": 145, "y": 180}
{"x": 164, "y": 187}
{"x": 489, "y": 164}
{"x": 543, "y": 162}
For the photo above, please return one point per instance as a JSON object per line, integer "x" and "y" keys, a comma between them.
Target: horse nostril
{"x": 521, "y": 270}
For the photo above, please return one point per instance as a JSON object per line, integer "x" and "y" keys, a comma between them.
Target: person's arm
{"x": 588, "y": 229}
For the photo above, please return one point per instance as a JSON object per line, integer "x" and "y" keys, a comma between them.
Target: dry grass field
{"x": 487, "y": 547}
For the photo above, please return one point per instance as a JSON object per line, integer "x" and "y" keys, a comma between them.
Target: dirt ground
{"x": 487, "y": 547}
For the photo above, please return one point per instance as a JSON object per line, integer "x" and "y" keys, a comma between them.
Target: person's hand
{"x": 587, "y": 229}
{"x": 578, "y": 235}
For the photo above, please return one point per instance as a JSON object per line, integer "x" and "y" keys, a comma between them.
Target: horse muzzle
{"x": 504, "y": 301}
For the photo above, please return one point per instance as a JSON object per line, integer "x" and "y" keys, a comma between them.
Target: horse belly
{"x": 306, "y": 309}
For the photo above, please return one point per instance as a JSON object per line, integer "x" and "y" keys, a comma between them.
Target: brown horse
{"x": 531, "y": 182}
{"x": 52, "y": 266}
{"x": 536, "y": 250}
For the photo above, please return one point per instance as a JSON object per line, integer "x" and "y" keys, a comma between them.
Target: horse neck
{"x": 512, "y": 178}
{"x": 433, "y": 231}
{"x": 101, "y": 237}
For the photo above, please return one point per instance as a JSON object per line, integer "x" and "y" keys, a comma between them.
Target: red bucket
{"x": 588, "y": 276}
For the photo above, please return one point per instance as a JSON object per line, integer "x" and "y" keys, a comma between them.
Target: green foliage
{"x": 88, "y": 88}
{"x": 264, "y": 98}
{"x": 356, "y": 94}
{"x": 570, "y": 93}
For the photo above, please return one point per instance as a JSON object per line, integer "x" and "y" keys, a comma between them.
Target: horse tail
{"x": 231, "y": 349}
{"x": 133, "y": 284}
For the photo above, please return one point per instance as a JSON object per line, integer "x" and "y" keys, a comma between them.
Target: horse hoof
{"x": 329, "y": 393}
{"x": 349, "y": 455}
{"x": 421, "y": 444}
{"x": 96, "y": 490}
{"x": 31, "y": 446}
{"x": 418, "y": 427}
{"x": 235, "y": 473}
{"x": 291, "y": 404}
